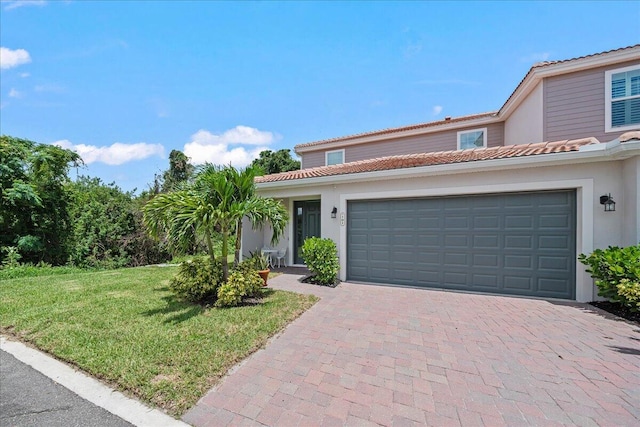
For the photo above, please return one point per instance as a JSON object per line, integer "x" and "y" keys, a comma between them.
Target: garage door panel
{"x": 486, "y": 281}
{"x": 491, "y": 241}
{"x": 456, "y": 241}
{"x": 518, "y": 221}
{"x": 429, "y": 241}
{"x": 456, "y": 222}
{"x": 553, "y": 263}
{"x": 486, "y": 222}
{"x": 485, "y": 260}
{"x": 518, "y": 282}
{"x": 519, "y": 201}
{"x": 518, "y": 261}
{"x": 553, "y": 242}
{"x": 453, "y": 278}
{"x": 453, "y": 259}
{"x": 520, "y": 244}
{"x": 554, "y": 221}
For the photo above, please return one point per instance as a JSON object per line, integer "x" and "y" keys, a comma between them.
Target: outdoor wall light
{"x": 334, "y": 212}
{"x": 607, "y": 201}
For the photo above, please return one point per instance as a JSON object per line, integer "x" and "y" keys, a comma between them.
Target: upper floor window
{"x": 622, "y": 103}
{"x": 476, "y": 138}
{"x": 334, "y": 157}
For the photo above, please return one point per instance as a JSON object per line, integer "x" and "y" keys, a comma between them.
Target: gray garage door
{"x": 521, "y": 243}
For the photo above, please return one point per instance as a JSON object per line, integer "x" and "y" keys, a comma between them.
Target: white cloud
{"x": 50, "y": 88}
{"x": 536, "y": 57}
{"x": 437, "y": 109}
{"x": 208, "y": 147}
{"x": 24, "y": 75}
{"x": 13, "y": 93}
{"x": 12, "y": 58}
{"x": 14, "y": 4}
{"x": 114, "y": 154}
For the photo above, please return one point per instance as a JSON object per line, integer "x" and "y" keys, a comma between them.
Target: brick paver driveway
{"x": 370, "y": 355}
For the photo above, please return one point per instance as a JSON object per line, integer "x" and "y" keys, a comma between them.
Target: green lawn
{"x": 125, "y": 327}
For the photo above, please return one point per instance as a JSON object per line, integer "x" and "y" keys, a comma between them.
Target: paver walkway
{"x": 372, "y": 355}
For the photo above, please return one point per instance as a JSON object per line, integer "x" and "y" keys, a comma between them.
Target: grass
{"x": 126, "y": 328}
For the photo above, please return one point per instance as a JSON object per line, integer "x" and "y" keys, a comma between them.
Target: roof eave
{"x": 596, "y": 152}
{"x": 537, "y": 74}
{"x": 400, "y": 134}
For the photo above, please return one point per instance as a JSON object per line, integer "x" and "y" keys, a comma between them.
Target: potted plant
{"x": 261, "y": 263}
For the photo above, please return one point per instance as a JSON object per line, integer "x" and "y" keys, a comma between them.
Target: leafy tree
{"x": 34, "y": 199}
{"x": 108, "y": 229}
{"x": 180, "y": 170}
{"x": 213, "y": 204}
{"x": 276, "y": 161}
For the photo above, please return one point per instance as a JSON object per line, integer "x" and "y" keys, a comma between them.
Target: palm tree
{"x": 217, "y": 201}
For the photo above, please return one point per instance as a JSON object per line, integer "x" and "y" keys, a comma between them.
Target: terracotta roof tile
{"x": 398, "y": 129}
{"x": 431, "y": 159}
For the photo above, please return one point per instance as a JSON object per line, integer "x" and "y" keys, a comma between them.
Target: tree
{"x": 276, "y": 161}
{"x": 216, "y": 202}
{"x": 180, "y": 170}
{"x": 34, "y": 199}
{"x": 107, "y": 227}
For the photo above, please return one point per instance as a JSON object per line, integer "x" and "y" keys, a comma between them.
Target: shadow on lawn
{"x": 181, "y": 310}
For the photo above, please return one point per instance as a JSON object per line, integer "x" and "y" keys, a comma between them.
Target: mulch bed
{"x": 618, "y": 310}
{"x": 311, "y": 280}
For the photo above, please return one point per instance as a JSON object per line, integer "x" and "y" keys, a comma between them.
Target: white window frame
{"x": 608, "y": 100}
{"x": 484, "y": 137}
{"x": 326, "y": 157}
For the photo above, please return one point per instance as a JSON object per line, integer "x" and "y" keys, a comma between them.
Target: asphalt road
{"x": 28, "y": 398}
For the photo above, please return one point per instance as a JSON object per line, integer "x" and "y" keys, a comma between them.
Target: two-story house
{"x": 499, "y": 202}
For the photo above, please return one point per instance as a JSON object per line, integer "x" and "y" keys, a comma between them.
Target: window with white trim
{"x": 334, "y": 157}
{"x": 622, "y": 103}
{"x": 476, "y": 138}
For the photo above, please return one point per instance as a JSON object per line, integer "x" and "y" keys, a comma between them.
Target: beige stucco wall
{"x": 525, "y": 125}
{"x": 595, "y": 228}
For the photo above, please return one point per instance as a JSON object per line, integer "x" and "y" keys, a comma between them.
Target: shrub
{"x": 321, "y": 257}
{"x": 630, "y": 291}
{"x": 612, "y": 267}
{"x": 198, "y": 280}
{"x": 240, "y": 285}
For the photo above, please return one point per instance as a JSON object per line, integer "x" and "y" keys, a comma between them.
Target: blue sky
{"x": 124, "y": 83}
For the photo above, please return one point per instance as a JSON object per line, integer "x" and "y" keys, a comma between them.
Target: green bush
{"x": 240, "y": 285}
{"x": 630, "y": 291}
{"x": 198, "y": 280}
{"x": 612, "y": 267}
{"x": 321, "y": 257}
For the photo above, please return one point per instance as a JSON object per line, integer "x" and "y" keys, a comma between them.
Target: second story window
{"x": 622, "y": 103}
{"x": 476, "y": 138}
{"x": 334, "y": 157}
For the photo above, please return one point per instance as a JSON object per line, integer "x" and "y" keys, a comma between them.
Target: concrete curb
{"x": 89, "y": 388}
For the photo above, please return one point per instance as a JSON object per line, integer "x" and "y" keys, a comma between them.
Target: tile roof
{"x": 399, "y": 129}
{"x": 426, "y": 125}
{"x": 431, "y": 159}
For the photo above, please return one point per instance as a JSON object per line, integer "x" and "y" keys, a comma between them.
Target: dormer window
{"x": 334, "y": 157}
{"x": 476, "y": 138}
{"x": 622, "y": 103}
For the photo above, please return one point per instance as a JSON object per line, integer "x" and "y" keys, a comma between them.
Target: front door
{"x": 307, "y": 217}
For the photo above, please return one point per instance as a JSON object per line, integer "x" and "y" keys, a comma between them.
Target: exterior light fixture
{"x": 607, "y": 201}
{"x": 334, "y": 212}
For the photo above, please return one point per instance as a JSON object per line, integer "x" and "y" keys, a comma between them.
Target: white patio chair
{"x": 268, "y": 252}
{"x": 280, "y": 256}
